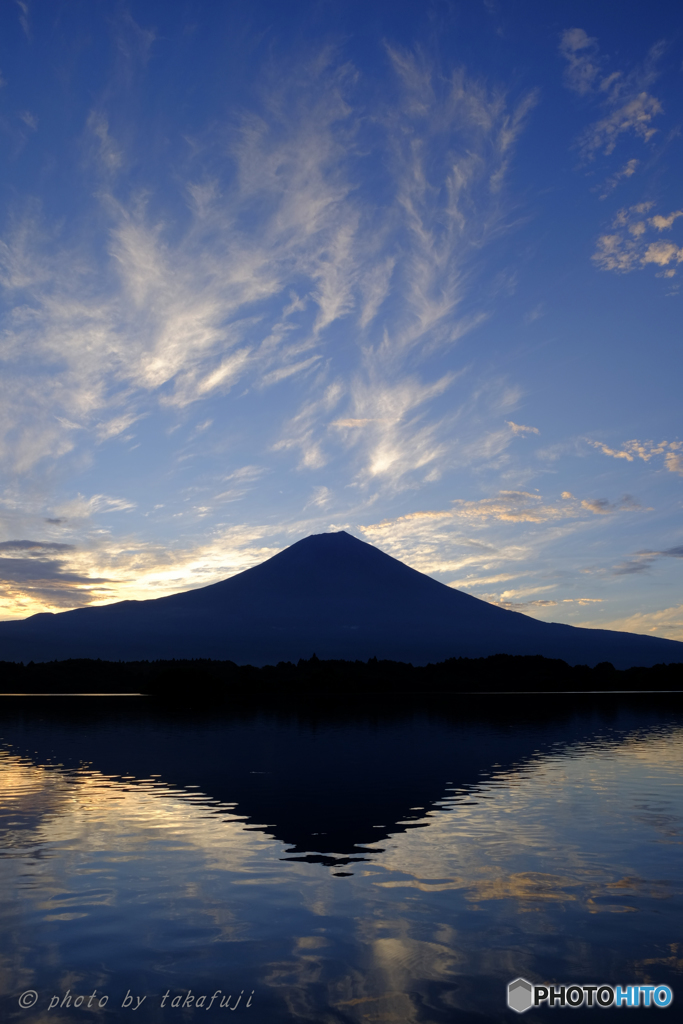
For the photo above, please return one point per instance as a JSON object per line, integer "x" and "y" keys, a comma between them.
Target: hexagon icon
{"x": 520, "y": 995}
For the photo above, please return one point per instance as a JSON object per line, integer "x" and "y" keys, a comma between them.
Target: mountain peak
{"x": 331, "y": 593}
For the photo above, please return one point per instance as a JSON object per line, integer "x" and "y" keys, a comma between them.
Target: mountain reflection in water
{"x": 384, "y": 867}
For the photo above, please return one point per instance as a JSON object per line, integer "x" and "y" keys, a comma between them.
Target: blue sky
{"x": 409, "y": 270}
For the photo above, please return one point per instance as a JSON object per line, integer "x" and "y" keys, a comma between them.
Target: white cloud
{"x": 23, "y": 17}
{"x": 116, "y": 426}
{"x": 280, "y": 269}
{"x": 302, "y": 430}
{"x": 663, "y": 223}
{"x": 534, "y": 314}
{"x": 271, "y": 259}
{"x": 517, "y": 428}
{"x": 109, "y": 155}
{"x": 645, "y": 450}
{"x": 419, "y": 286}
{"x": 627, "y": 171}
{"x": 398, "y": 438}
{"x": 514, "y": 539}
{"x": 320, "y": 498}
{"x": 451, "y": 140}
{"x": 633, "y": 116}
{"x": 81, "y": 507}
{"x": 614, "y": 252}
{"x": 241, "y": 482}
{"x": 583, "y": 63}
{"x": 615, "y": 454}
{"x": 446, "y": 540}
{"x": 668, "y": 622}
{"x": 603, "y": 507}
{"x": 283, "y": 372}
{"x": 437, "y": 542}
{"x": 478, "y": 581}
{"x": 523, "y": 506}
{"x": 509, "y": 599}
{"x": 101, "y": 570}
{"x": 175, "y": 324}
{"x": 628, "y": 248}
{"x": 395, "y": 440}
{"x": 662, "y": 253}
{"x": 631, "y": 108}
{"x": 375, "y": 288}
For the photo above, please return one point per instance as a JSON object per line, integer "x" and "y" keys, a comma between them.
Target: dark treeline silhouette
{"x": 224, "y": 681}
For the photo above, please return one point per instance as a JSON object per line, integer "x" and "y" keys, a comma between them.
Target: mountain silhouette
{"x": 330, "y": 594}
{"x": 324, "y": 784}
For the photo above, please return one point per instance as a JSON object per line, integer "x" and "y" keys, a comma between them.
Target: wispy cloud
{"x": 178, "y": 323}
{"x": 635, "y": 115}
{"x": 438, "y": 542}
{"x": 643, "y": 561}
{"x": 522, "y": 506}
{"x": 81, "y": 507}
{"x": 517, "y": 428}
{"x": 29, "y": 119}
{"x": 386, "y": 421}
{"x": 303, "y": 431}
{"x": 277, "y": 251}
{"x": 603, "y": 507}
{"x": 667, "y": 622}
{"x": 24, "y": 17}
{"x": 321, "y": 497}
{"x": 449, "y": 141}
{"x": 33, "y": 547}
{"x": 509, "y": 600}
{"x": 45, "y": 575}
{"x": 645, "y": 450}
{"x": 441, "y": 540}
{"x": 630, "y": 107}
{"x": 105, "y": 151}
{"x": 289, "y": 299}
{"x": 584, "y": 64}
{"x": 116, "y": 426}
{"x": 627, "y": 171}
{"x": 534, "y": 314}
{"x": 239, "y": 483}
{"x": 507, "y": 549}
{"x": 514, "y": 506}
{"x": 452, "y": 142}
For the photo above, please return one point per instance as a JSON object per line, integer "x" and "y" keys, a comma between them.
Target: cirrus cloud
{"x": 630, "y": 107}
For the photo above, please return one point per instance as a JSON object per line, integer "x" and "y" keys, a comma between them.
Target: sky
{"x": 407, "y": 270}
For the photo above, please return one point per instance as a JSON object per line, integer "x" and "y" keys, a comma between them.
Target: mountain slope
{"x": 331, "y": 594}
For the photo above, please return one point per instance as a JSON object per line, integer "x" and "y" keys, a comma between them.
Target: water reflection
{"x": 344, "y": 871}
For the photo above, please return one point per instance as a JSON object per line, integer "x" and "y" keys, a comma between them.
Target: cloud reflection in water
{"x": 563, "y": 864}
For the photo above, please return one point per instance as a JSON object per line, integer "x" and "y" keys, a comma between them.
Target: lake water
{"x": 380, "y": 865}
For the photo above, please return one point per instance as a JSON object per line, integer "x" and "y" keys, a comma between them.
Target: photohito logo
{"x": 522, "y": 995}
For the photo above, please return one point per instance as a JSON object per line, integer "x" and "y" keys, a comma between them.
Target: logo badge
{"x": 520, "y": 995}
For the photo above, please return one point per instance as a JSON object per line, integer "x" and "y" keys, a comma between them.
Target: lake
{"x": 362, "y": 863}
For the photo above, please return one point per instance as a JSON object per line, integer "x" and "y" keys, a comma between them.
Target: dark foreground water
{"x": 382, "y": 866}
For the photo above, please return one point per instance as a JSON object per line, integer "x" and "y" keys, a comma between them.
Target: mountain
{"x": 330, "y": 594}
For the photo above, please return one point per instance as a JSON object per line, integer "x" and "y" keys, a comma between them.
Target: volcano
{"x": 330, "y": 594}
